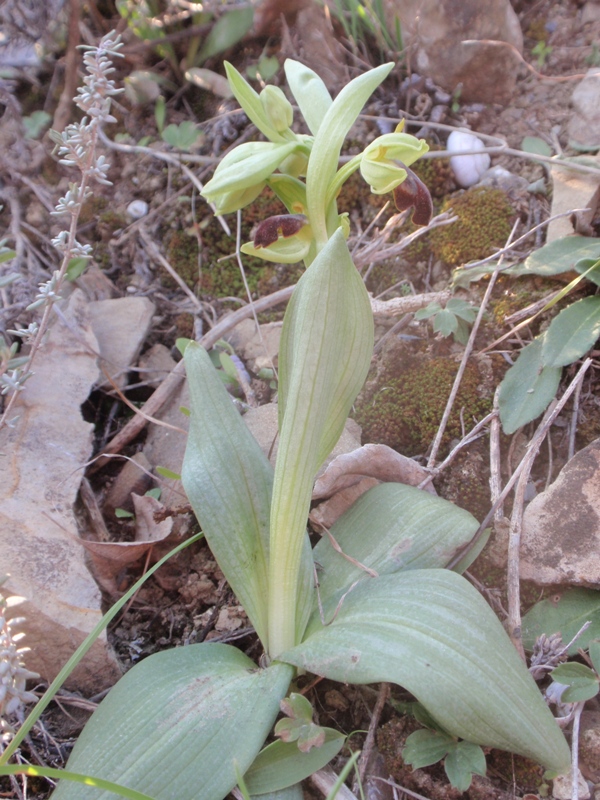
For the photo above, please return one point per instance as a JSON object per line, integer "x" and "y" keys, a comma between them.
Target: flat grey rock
{"x": 560, "y": 541}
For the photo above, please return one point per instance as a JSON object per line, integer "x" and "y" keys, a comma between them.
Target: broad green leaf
{"x": 561, "y": 255}
{"x": 527, "y": 388}
{"x": 281, "y": 764}
{"x": 462, "y": 309}
{"x": 228, "y": 481}
{"x": 590, "y": 267}
{"x": 392, "y": 527}
{"x": 333, "y": 129}
{"x": 7, "y": 255}
{"x": 445, "y": 322}
{"x": 426, "y": 747}
{"x": 428, "y": 311}
{"x": 537, "y": 146}
{"x": 325, "y": 352}
{"x": 432, "y": 633}
{"x": 310, "y": 93}
{"x": 464, "y": 760}
{"x": 581, "y": 680}
{"x": 564, "y": 613}
{"x": 171, "y": 719}
{"x": 594, "y": 653}
{"x": 227, "y": 31}
{"x": 572, "y": 333}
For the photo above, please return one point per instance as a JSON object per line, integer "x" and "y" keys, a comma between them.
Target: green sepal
{"x": 310, "y": 93}
{"x": 251, "y": 103}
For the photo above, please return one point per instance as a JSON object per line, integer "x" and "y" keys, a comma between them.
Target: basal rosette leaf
{"x": 432, "y": 633}
{"x": 228, "y": 481}
{"x": 182, "y": 724}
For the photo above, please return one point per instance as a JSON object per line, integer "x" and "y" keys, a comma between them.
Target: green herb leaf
{"x": 564, "y": 613}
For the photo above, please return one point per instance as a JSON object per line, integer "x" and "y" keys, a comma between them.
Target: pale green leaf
{"x": 426, "y": 747}
{"x": 527, "y": 388}
{"x": 325, "y": 352}
{"x": 310, "y": 93}
{"x": 560, "y": 255}
{"x": 281, "y": 764}
{"x": 462, "y": 761}
{"x": 166, "y": 724}
{"x": 392, "y": 527}
{"x": 333, "y": 129}
{"x": 537, "y": 146}
{"x": 228, "y": 481}
{"x": 572, "y": 333}
{"x": 294, "y": 792}
{"x": 227, "y": 31}
{"x": 564, "y": 613}
{"x": 445, "y": 322}
{"x": 594, "y": 653}
{"x": 581, "y": 680}
{"x": 250, "y": 102}
{"x": 590, "y": 267}
{"x": 76, "y": 267}
{"x": 432, "y": 633}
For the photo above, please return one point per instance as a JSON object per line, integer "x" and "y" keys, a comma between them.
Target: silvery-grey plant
{"x": 76, "y": 146}
{"x": 13, "y": 673}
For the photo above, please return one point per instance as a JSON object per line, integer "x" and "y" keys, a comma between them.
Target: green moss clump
{"x": 405, "y": 411}
{"x": 219, "y": 275}
{"x": 484, "y": 223}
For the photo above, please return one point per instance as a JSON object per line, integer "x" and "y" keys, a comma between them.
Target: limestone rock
{"x": 43, "y": 455}
{"x": 561, "y": 526}
{"x": 571, "y": 190}
{"x": 121, "y": 327}
{"x": 442, "y": 34}
{"x": 584, "y": 122}
{"x": 257, "y": 348}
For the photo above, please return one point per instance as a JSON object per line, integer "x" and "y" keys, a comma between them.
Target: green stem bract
{"x": 323, "y": 163}
{"x": 341, "y": 177}
{"x": 325, "y": 351}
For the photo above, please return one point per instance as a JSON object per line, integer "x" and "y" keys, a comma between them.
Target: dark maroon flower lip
{"x": 283, "y": 225}
{"x": 412, "y": 193}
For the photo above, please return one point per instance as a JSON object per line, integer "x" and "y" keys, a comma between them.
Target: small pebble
{"x": 137, "y": 209}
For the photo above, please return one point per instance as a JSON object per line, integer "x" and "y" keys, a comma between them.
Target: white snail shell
{"x": 137, "y": 209}
{"x": 467, "y": 169}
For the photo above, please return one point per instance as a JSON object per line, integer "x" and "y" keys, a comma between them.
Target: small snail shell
{"x": 137, "y": 209}
{"x": 467, "y": 169}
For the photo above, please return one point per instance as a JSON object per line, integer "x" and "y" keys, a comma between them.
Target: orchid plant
{"x": 191, "y": 723}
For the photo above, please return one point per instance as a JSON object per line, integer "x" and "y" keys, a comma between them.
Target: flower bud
{"x": 384, "y": 161}
{"x": 241, "y": 175}
{"x": 277, "y": 108}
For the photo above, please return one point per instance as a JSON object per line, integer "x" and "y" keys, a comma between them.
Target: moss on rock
{"x": 484, "y": 223}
